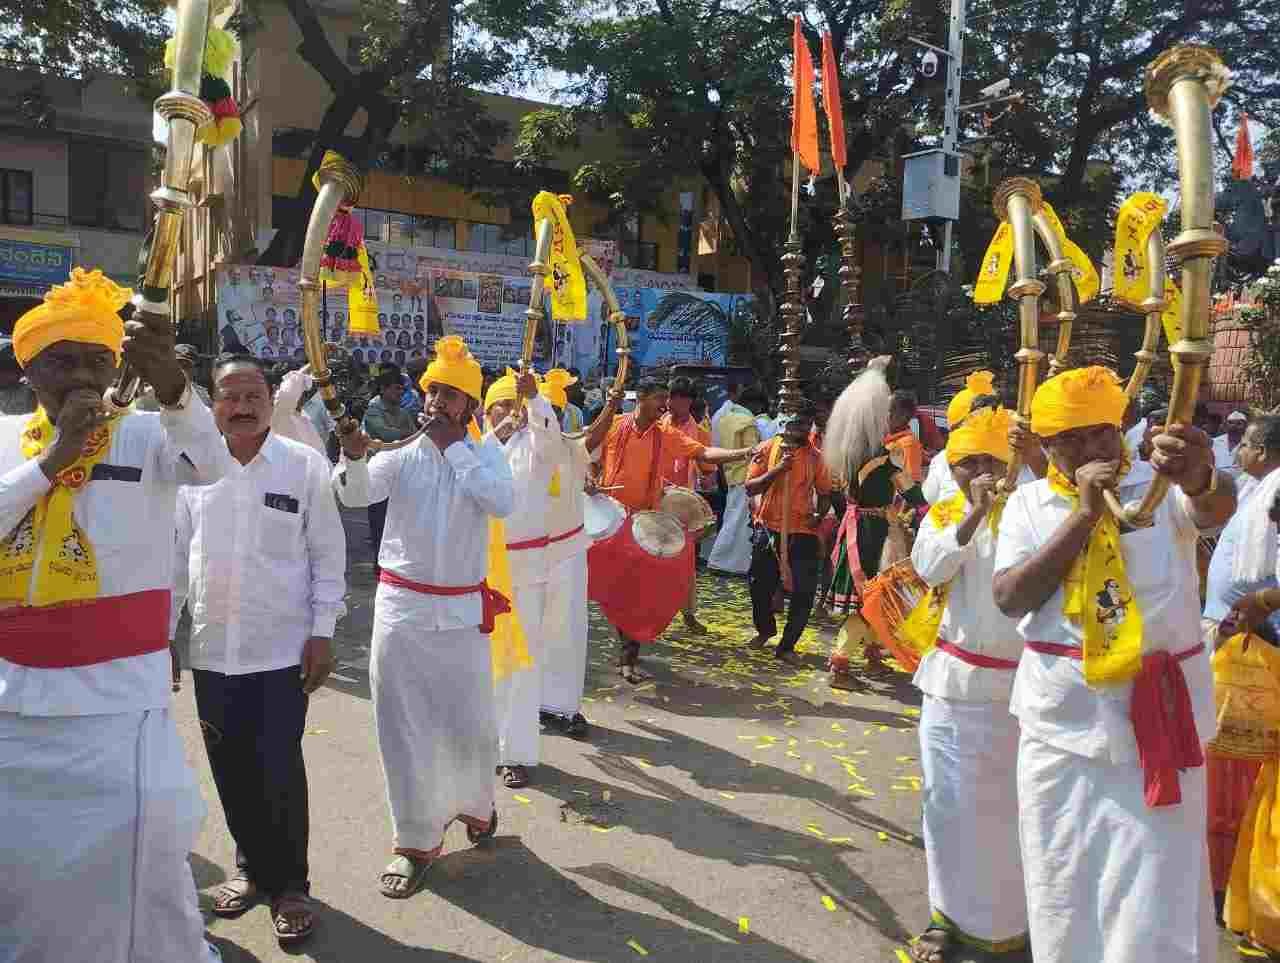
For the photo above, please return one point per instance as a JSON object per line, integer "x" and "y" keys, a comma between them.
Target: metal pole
{"x": 951, "y": 117}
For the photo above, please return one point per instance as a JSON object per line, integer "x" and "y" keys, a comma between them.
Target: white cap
{"x": 1237, "y": 416}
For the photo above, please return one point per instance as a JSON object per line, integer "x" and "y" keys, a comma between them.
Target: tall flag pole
{"x": 846, "y": 231}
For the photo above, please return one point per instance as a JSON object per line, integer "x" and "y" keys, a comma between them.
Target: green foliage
{"x": 1261, "y": 363}
{"x": 81, "y": 37}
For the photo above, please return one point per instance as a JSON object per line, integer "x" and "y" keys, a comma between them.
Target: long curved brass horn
{"x": 1018, "y": 201}
{"x": 1060, "y": 268}
{"x": 1153, "y": 309}
{"x": 183, "y": 112}
{"x": 1183, "y": 85}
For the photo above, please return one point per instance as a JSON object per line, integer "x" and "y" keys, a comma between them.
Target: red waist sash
{"x": 85, "y": 633}
{"x": 492, "y": 602}
{"x": 542, "y": 541}
{"x": 975, "y": 658}
{"x": 1163, "y": 721}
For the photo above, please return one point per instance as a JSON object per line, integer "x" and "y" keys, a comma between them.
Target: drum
{"x": 886, "y": 602}
{"x": 691, "y": 509}
{"x": 658, "y": 533}
{"x": 602, "y": 516}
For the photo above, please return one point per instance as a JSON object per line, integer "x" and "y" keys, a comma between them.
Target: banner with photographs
{"x": 424, "y": 293}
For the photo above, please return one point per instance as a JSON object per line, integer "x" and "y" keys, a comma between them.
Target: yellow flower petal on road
{"x": 816, "y": 831}
{"x": 829, "y": 903}
{"x": 637, "y": 947}
{"x": 882, "y": 836}
{"x": 808, "y": 768}
{"x": 728, "y": 795}
{"x": 906, "y": 758}
{"x": 861, "y": 791}
{"x": 902, "y": 956}
{"x": 521, "y": 799}
{"x": 602, "y": 829}
{"x": 840, "y": 839}
{"x": 836, "y": 727}
{"x": 644, "y": 765}
{"x": 744, "y": 924}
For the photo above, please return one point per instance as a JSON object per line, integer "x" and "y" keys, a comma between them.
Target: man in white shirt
{"x": 968, "y": 739}
{"x": 431, "y": 665}
{"x": 265, "y": 581}
{"x": 100, "y": 808}
{"x": 1114, "y": 692}
{"x": 734, "y": 426}
{"x": 1225, "y": 445}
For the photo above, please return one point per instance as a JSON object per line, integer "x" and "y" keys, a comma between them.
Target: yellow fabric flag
{"x": 1171, "y": 318}
{"x": 994, "y": 273}
{"x": 568, "y": 287}
{"x": 1088, "y": 284}
{"x": 362, "y": 300}
{"x": 1253, "y": 891}
{"x": 1098, "y": 596}
{"x": 509, "y": 652}
{"x": 1139, "y": 215}
{"x": 68, "y": 569}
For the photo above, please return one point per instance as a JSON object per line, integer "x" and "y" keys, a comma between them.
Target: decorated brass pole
{"x": 792, "y": 311}
{"x": 183, "y": 112}
{"x": 340, "y": 182}
{"x": 850, "y": 284}
{"x": 536, "y": 313}
{"x": 1018, "y": 200}
{"x": 1183, "y": 85}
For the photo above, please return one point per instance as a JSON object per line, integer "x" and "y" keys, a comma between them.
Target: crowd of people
{"x": 1085, "y": 795}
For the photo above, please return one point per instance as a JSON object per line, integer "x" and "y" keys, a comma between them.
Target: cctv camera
{"x": 929, "y": 63}
{"x": 996, "y": 89}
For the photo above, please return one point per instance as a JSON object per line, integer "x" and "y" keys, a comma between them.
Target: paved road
{"x": 729, "y": 810}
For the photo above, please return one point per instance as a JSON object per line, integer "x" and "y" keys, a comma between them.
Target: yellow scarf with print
{"x": 919, "y": 629}
{"x": 47, "y": 559}
{"x": 1098, "y": 597}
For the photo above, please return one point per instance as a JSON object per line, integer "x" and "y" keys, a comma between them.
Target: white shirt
{"x": 267, "y": 558}
{"x": 531, "y": 454}
{"x": 766, "y": 426}
{"x": 1050, "y": 697}
{"x": 939, "y": 483}
{"x": 1133, "y": 437}
{"x": 1224, "y": 455}
{"x": 128, "y": 518}
{"x": 319, "y": 415}
{"x": 437, "y": 529}
{"x": 717, "y": 440}
{"x": 971, "y": 619}
{"x": 287, "y": 421}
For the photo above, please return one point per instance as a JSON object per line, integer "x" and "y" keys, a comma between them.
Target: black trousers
{"x": 765, "y": 577}
{"x": 253, "y": 727}
{"x": 377, "y": 521}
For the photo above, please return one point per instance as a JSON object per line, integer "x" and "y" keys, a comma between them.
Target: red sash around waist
{"x": 1163, "y": 721}
{"x": 85, "y": 633}
{"x": 975, "y": 658}
{"x": 492, "y": 602}
{"x": 542, "y": 541}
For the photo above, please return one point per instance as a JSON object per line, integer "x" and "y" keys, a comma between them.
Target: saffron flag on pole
{"x": 831, "y": 102}
{"x": 804, "y": 117}
{"x": 1242, "y": 163}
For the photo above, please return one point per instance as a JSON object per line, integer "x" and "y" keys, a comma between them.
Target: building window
{"x": 15, "y": 197}
{"x": 486, "y": 239}
{"x": 633, "y": 252}
{"x": 108, "y": 186}
{"x": 435, "y": 232}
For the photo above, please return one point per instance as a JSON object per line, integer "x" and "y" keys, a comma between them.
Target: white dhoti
{"x": 969, "y": 754}
{"x": 563, "y": 665}
{"x": 517, "y": 695}
{"x": 1108, "y": 878}
{"x": 732, "y": 549}
{"x": 434, "y": 711}
{"x": 97, "y": 817}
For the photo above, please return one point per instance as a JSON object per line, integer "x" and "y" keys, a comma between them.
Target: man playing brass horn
{"x": 100, "y": 807}
{"x": 1114, "y": 693}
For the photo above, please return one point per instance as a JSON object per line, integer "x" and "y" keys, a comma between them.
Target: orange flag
{"x": 804, "y": 117}
{"x": 831, "y": 101}
{"x": 1242, "y": 163}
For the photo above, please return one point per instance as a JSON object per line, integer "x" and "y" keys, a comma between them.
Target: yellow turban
{"x": 504, "y": 389}
{"x": 985, "y": 432}
{"x": 85, "y": 309}
{"x": 454, "y": 366}
{"x": 554, "y": 385}
{"x": 977, "y": 384}
{"x": 1077, "y": 399}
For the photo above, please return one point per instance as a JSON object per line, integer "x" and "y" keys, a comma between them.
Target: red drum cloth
{"x": 639, "y": 593}
{"x": 1230, "y": 783}
{"x": 85, "y": 633}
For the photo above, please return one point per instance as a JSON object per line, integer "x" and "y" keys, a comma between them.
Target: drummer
{"x": 685, "y": 472}
{"x": 632, "y": 456}
{"x": 968, "y": 739}
{"x": 789, "y": 455}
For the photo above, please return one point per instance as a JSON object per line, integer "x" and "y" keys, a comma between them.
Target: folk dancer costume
{"x": 968, "y": 739}
{"x": 877, "y": 488}
{"x": 563, "y": 666}
{"x": 431, "y": 667}
{"x": 1114, "y": 697}
{"x": 266, "y": 558}
{"x": 100, "y": 806}
{"x": 734, "y": 427}
{"x": 536, "y": 453}
{"x": 810, "y": 485}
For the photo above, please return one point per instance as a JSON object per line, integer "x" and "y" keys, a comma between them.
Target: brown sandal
{"x": 292, "y": 919}
{"x": 932, "y": 946}
{"x": 235, "y": 896}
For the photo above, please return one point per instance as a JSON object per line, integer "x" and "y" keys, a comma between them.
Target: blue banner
{"x": 22, "y": 262}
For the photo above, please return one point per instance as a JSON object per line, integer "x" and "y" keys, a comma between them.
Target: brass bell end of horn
{"x": 1185, "y": 62}
{"x": 1016, "y": 185}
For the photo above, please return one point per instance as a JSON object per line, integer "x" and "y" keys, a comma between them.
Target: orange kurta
{"x": 808, "y": 475}
{"x": 633, "y": 460}
{"x": 677, "y": 469}
{"x": 908, "y": 446}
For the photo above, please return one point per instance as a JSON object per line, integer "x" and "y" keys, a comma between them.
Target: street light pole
{"x": 951, "y": 117}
